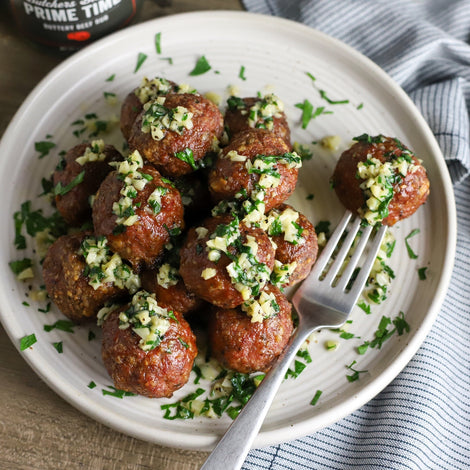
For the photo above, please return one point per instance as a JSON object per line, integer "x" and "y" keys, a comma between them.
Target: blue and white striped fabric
{"x": 422, "y": 419}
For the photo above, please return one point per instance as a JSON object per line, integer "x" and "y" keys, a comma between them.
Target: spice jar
{"x": 72, "y": 24}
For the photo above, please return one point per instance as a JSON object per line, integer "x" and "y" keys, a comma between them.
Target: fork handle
{"x": 230, "y": 452}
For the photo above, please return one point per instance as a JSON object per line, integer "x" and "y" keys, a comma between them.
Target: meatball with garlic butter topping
{"x": 225, "y": 262}
{"x": 261, "y": 112}
{"x": 381, "y": 179}
{"x": 147, "y": 349}
{"x": 79, "y": 176}
{"x": 256, "y": 166}
{"x": 175, "y": 132}
{"x": 134, "y": 102}
{"x": 81, "y": 275}
{"x": 296, "y": 244}
{"x": 247, "y": 344}
{"x": 138, "y": 211}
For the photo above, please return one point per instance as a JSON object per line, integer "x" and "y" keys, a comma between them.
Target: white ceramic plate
{"x": 275, "y": 54}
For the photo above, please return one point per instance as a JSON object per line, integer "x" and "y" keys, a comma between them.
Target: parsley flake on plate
{"x": 202, "y": 66}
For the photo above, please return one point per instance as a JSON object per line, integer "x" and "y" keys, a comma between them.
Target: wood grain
{"x": 38, "y": 429}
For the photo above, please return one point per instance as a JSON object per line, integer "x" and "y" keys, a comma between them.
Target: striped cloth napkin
{"x": 422, "y": 419}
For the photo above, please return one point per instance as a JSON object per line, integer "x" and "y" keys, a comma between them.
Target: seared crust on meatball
{"x": 143, "y": 242}
{"x": 237, "y": 114}
{"x": 230, "y": 175}
{"x": 409, "y": 192}
{"x": 302, "y": 249}
{"x": 207, "y": 128}
{"x": 219, "y": 289}
{"x": 74, "y": 205}
{"x": 135, "y": 100}
{"x": 173, "y": 296}
{"x": 246, "y": 346}
{"x": 66, "y": 284}
{"x": 155, "y": 373}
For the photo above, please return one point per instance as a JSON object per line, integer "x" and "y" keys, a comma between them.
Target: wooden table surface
{"x": 38, "y": 429}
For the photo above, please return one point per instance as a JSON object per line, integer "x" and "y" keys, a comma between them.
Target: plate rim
{"x": 377, "y": 384}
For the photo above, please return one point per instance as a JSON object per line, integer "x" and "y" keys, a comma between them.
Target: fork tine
{"x": 360, "y": 281}
{"x": 343, "y": 252}
{"x": 352, "y": 262}
{"x": 330, "y": 247}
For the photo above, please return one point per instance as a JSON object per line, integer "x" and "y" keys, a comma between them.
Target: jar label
{"x": 65, "y": 22}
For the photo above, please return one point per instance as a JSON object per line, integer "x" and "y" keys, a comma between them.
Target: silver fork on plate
{"x": 324, "y": 300}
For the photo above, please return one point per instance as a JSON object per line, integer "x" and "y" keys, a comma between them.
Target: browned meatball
{"x": 247, "y": 113}
{"x": 296, "y": 242}
{"x": 92, "y": 159}
{"x": 211, "y": 279}
{"x": 173, "y": 140}
{"x": 246, "y": 346}
{"x": 400, "y": 193}
{"x": 135, "y": 100}
{"x": 67, "y": 284}
{"x": 156, "y": 372}
{"x": 268, "y": 166}
{"x": 170, "y": 290}
{"x": 141, "y": 242}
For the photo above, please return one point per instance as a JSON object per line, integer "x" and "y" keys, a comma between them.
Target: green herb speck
{"x": 140, "y": 60}
{"x": 27, "y": 341}
{"x": 158, "y": 45}
{"x": 202, "y": 66}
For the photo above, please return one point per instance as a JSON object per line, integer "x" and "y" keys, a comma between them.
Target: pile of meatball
{"x": 190, "y": 228}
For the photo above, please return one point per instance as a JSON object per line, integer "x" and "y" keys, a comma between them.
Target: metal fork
{"x": 324, "y": 300}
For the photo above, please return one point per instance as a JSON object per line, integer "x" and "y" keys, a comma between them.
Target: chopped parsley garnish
{"x": 316, "y": 397}
{"x": 45, "y": 310}
{"x": 241, "y": 74}
{"x": 58, "y": 346}
{"x": 360, "y": 106}
{"x": 181, "y": 408}
{"x": 158, "y": 45}
{"x": 43, "y": 147}
{"x": 60, "y": 190}
{"x": 329, "y": 100}
{"x": 389, "y": 247}
{"x": 310, "y": 197}
{"x": 410, "y": 251}
{"x": 309, "y": 112}
{"x": 305, "y": 355}
{"x": 27, "y": 341}
{"x": 91, "y": 385}
{"x": 140, "y": 60}
{"x": 186, "y": 156}
{"x": 202, "y": 66}
{"x": 422, "y": 273}
{"x": 35, "y": 222}
{"x": 235, "y": 102}
{"x": 383, "y": 332}
{"x": 365, "y": 307}
{"x": 296, "y": 371}
{"x": 310, "y": 76}
{"x": 91, "y": 335}
{"x": 355, "y": 375}
{"x": 20, "y": 265}
{"x": 62, "y": 325}
{"x": 378, "y": 139}
{"x": 115, "y": 392}
{"x": 111, "y": 78}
